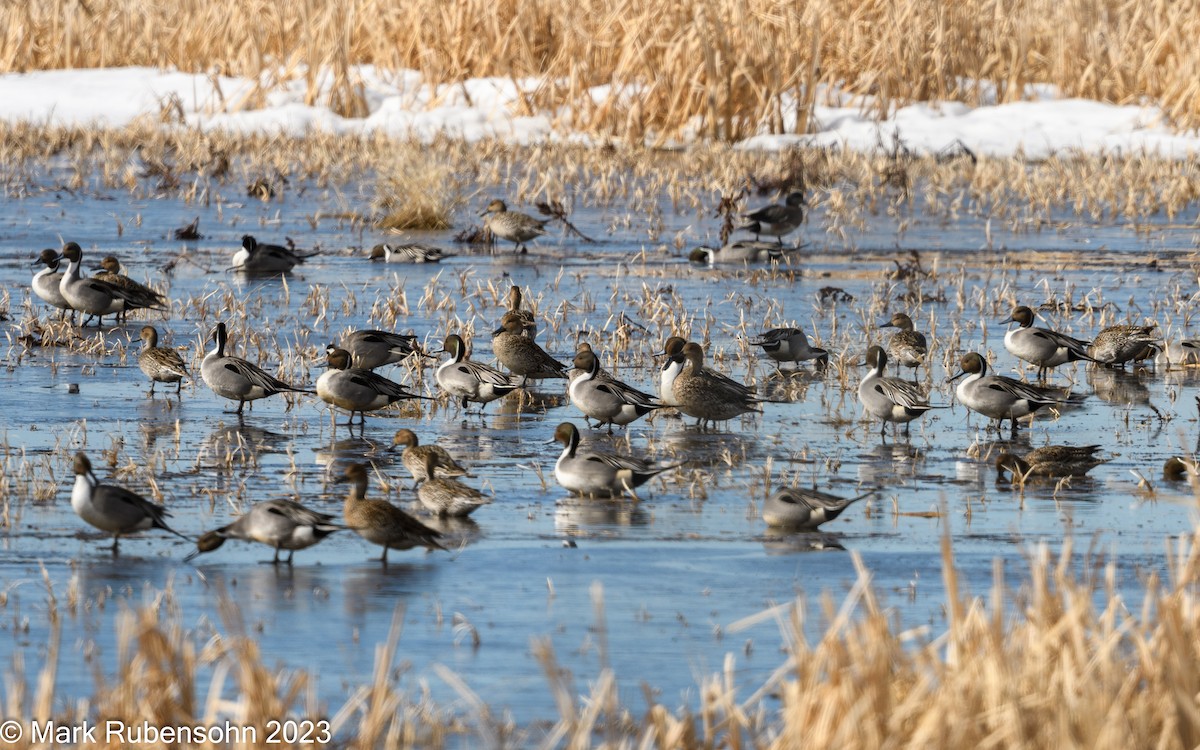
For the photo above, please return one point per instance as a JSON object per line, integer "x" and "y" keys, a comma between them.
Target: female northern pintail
{"x": 282, "y": 524}
{"x": 472, "y": 381}
{"x": 380, "y": 522}
{"x": 414, "y": 456}
{"x": 161, "y": 365}
{"x": 112, "y": 272}
{"x": 236, "y": 379}
{"x": 521, "y": 354}
{"x": 528, "y": 320}
{"x": 705, "y": 397}
{"x": 93, "y": 296}
{"x": 906, "y": 347}
{"x": 357, "y": 390}
{"x": 513, "y": 226}
{"x": 372, "y": 349}
{"x": 673, "y": 350}
{"x": 1117, "y": 345}
{"x": 798, "y": 509}
{"x": 738, "y": 252}
{"x": 1041, "y": 346}
{"x": 1001, "y": 398}
{"x": 413, "y": 253}
{"x": 777, "y": 219}
{"x": 609, "y": 402}
{"x": 789, "y": 345}
{"x": 1049, "y": 461}
{"x": 47, "y": 281}
{"x": 599, "y": 474}
{"x": 447, "y": 497}
{"x": 259, "y": 258}
{"x": 889, "y": 399}
{"x": 114, "y": 509}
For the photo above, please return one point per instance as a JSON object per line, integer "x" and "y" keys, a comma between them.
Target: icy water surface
{"x": 676, "y": 569}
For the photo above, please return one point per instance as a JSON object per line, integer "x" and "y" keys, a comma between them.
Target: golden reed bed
{"x": 725, "y": 66}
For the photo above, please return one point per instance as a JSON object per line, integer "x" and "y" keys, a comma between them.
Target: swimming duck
{"x": 741, "y": 252}
{"x": 1041, "y": 346}
{"x": 472, "y": 381}
{"x": 160, "y": 364}
{"x": 413, "y": 253}
{"x": 255, "y": 257}
{"x": 282, "y": 524}
{"x": 1049, "y": 461}
{"x": 599, "y": 474}
{"x": 114, "y": 509}
{"x": 799, "y": 509}
{"x": 380, "y": 522}
{"x": 236, "y": 379}
{"x": 513, "y": 226}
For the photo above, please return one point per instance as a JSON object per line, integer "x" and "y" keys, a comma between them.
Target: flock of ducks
{"x": 685, "y": 382}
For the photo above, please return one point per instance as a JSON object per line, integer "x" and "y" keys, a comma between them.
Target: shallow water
{"x": 676, "y": 569}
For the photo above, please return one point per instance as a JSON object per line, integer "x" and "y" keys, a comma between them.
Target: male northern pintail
{"x": 513, "y": 226}
{"x": 112, "y": 272}
{"x": 414, "y": 456}
{"x": 799, "y": 509}
{"x": 161, "y": 364}
{"x": 47, "y": 281}
{"x": 575, "y": 372}
{"x": 371, "y": 349}
{"x": 528, "y": 320}
{"x": 472, "y": 382}
{"x": 741, "y": 252}
{"x": 889, "y": 399}
{"x": 521, "y": 354}
{"x": 255, "y": 257}
{"x": 357, "y": 390}
{"x": 235, "y": 378}
{"x": 998, "y": 397}
{"x": 1041, "y": 346}
{"x": 906, "y": 347}
{"x": 609, "y": 402}
{"x": 447, "y": 497}
{"x": 412, "y": 253}
{"x": 114, "y": 509}
{"x": 282, "y": 524}
{"x": 1049, "y": 461}
{"x": 789, "y": 345}
{"x": 709, "y": 399}
{"x": 94, "y": 296}
{"x": 673, "y": 351}
{"x": 1117, "y": 345}
{"x": 598, "y": 474}
{"x": 777, "y": 219}
{"x": 1183, "y": 353}
{"x": 380, "y": 522}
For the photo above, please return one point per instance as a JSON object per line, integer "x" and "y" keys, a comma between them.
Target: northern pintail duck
{"x": 281, "y": 524}
{"x": 47, "y": 281}
{"x": 709, "y": 399}
{"x": 1117, "y": 345}
{"x": 777, "y": 219}
{"x": 575, "y": 372}
{"x": 94, "y": 296}
{"x": 447, "y": 497}
{"x": 889, "y": 399}
{"x": 236, "y": 379}
{"x": 114, "y": 509}
{"x": 1183, "y": 353}
{"x": 743, "y": 251}
{"x": 414, "y": 456}
{"x": 1179, "y": 468}
{"x": 521, "y": 354}
{"x": 255, "y": 257}
{"x": 906, "y": 347}
{"x": 380, "y": 522}
{"x": 113, "y": 272}
{"x": 412, "y": 253}
{"x": 528, "y": 321}
{"x": 371, "y": 349}
{"x": 513, "y": 226}
{"x": 599, "y": 474}
{"x": 472, "y": 382}
{"x": 673, "y": 350}
{"x": 1049, "y": 461}
{"x": 161, "y": 365}
{"x": 789, "y": 345}
{"x": 609, "y": 402}
{"x": 798, "y": 509}
{"x": 355, "y": 389}
{"x": 1041, "y": 346}
{"x": 998, "y": 397}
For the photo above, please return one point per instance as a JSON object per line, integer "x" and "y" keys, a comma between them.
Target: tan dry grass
{"x": 724, "y": 67}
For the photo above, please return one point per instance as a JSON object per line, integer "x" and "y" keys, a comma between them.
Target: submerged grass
{"x": 1064, "y": 660}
